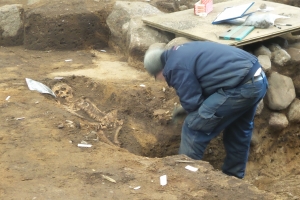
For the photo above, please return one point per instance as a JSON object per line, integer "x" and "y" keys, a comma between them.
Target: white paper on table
{"x": 233, "y": 12}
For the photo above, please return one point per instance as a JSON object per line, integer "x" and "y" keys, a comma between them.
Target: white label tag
{"x": 163, "y": 180}
{"x": 193, "y": 169}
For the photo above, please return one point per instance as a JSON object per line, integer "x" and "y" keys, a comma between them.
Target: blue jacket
{"x": 198, "y": 69}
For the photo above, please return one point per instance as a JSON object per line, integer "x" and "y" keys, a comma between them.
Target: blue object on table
{"x": 237, "y": 33}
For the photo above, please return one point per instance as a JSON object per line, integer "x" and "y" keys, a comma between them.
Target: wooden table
{"x": 186, "y": 24}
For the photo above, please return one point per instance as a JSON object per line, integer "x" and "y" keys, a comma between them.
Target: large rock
{"x": 263, "y": 50}
{"x": 265, "y": 62}
{"x": 139, "y": 38}
{"x": 294, "y": 111}
{"x": 119, "y": 20}
{"x": 280, "y": 57}
{"x": 67, "y": 25}
{"x": 11, "y": 24}
{"x": 295, "y": 55}
{"x": 157, "y": 45}
{"x": 278, "y": 121}
{"x": 177, "y": 41}
{"x": 273, "y": 47}
{"x": 296, "y": 81}
{"x": 281, "y": 91}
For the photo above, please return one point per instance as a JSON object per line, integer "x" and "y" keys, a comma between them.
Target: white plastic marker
{"x": 193, "y": 169}
{"x": 163, "y": 180}
{"x": 85, "y": 145}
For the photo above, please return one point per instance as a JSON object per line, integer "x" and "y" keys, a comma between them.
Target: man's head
{"x": 152, "y": 61}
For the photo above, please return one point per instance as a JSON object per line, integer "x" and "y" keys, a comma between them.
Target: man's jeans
{"x": 231, "y": 110}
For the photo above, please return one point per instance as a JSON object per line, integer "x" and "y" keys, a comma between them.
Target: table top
{"x": 186, "y": 24}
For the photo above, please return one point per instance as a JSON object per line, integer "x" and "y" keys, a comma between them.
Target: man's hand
{"x": 178, "y": 112}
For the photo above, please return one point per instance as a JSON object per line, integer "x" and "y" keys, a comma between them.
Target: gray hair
{"x": 152, "y": 61}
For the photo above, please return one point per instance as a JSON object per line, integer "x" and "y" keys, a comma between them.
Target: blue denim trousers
{"x": 231, "y": 111}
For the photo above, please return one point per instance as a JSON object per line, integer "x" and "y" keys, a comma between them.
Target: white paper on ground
{"x": 34, "y": 85}
{"x": 193, "y": 169}
{"x": 84, "y": 145}
{"x": 163, "y": 180}
{"x": 136, "y": 188}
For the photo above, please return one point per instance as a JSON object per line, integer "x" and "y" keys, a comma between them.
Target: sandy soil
{"x": 126, "y": 116}
{"x": 39, "y": 134}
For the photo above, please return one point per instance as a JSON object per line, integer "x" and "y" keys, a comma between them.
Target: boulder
{"x": 295, "y": 55}
{"x": 278, "y": 121}
{"x": 296, "y": 81}
{"x": 265, "y": 62}
{"x": 11, "y": 25}
{"x": 119, "y": 20}
{"x": 177, "y": 41}
{"x": 280, "y": 57}
{"x": 139, "y": 38}
{"x": 294, "y": 111}
{"x": 281, "y": 91}
{"x": 157, "y": 45}
{"x": 263, "y": 50}
{"x": 273, "y": 47}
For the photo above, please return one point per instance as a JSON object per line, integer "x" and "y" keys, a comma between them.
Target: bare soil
{"x": 40, "y": 158}
{"x": 126, "y": 116}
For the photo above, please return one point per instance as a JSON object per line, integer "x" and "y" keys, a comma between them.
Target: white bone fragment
{"x": 109, "y": 179}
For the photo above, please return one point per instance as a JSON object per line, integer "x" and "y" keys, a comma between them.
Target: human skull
{"x": 63, "y": 90}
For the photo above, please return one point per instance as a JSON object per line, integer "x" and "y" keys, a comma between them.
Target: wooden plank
{"x": 186, "y": 24}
